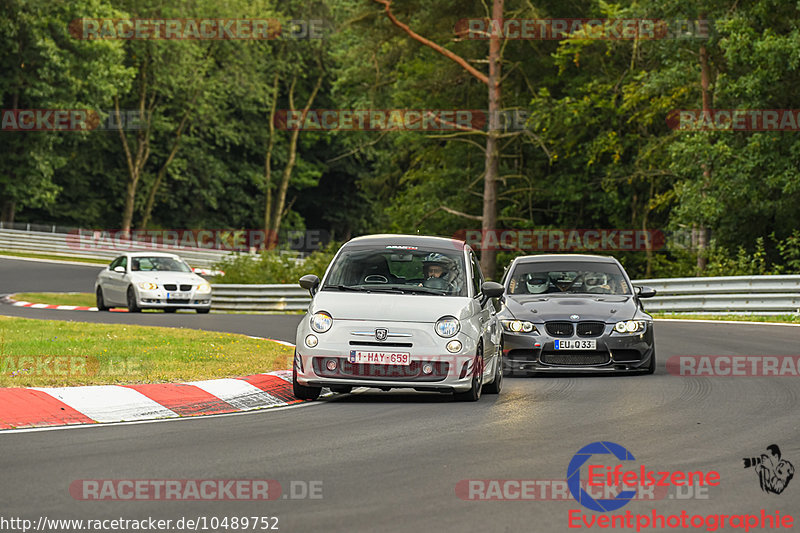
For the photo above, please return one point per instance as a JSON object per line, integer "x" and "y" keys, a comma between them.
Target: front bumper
{"x": 525, "y": 352}
{"x": 431, "y": 368}
{"x": 158, "y": 300}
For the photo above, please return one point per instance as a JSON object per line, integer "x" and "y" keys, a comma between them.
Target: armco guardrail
{"x": 259, "y": 297}
{"x": 736, "y": 294}
{"x": 69, "y": 244}
{"x": 730, "y": 294}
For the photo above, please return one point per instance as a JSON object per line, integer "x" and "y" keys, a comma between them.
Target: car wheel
{"x": 101, "y": 302}
{"x": 341, "y": 389}
{"x": 132, "y": 306}
{"x": 302, "y": 392}
{"x": 497, "y": 383}
{"x": 474, "y": 393}
{"x": 203, "y": 311}
{"x": 651, "y": 368}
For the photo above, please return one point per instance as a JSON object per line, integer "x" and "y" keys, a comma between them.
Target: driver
{"x": 436, "y": 271}
{"x": 536, "y": 283}
{"x": 597, "y": 280}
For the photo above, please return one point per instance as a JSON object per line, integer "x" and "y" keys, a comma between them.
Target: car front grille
{"x": 186, "y": 288}
{"x": 379, "y": 344}
{"x": 559, "y": 329}
{"x": 176, "y": 301}
{"x": 347, "y": 370}
{"x": 574, "y": 358}
{"x": 171, "y": 287}
{"x": 590, "y": 329}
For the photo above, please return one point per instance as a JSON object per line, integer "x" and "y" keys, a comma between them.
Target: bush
{"x": 272, "y": 266}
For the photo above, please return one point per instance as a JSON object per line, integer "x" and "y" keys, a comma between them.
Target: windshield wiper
{"x": 345, "y": 288}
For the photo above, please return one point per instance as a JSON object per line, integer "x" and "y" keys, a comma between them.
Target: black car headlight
{"x": 630, "y": 327}
{"x": 519, "y": 326}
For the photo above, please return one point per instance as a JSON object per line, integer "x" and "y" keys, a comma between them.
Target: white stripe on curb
{"x": 109, "y": 403}
{"x": 237, "y": 392}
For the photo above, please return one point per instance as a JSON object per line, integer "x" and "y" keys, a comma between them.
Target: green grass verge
{"x": 50, "y": 353}
{"x": 57, "y": 298}
{"x": 789, "y": 319}
{"x": 56, "y": 257}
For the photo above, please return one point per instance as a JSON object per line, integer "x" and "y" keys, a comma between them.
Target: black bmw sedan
{"x": 574, "y": 313}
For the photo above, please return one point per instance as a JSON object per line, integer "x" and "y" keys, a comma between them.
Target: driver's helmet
{"x": 436, "y": 263}
{"x": 537, "y": 283}
{"x": 595, "y": 279}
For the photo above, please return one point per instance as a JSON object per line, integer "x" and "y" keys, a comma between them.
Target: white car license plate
{"x": 380, "y": 358}
{"x": 569, "y": 344}
{"x": 177, "y": 296}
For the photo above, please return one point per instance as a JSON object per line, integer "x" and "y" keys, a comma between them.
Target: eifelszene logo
{"x": 602, "y": 475}
{"x": 774, "y": 473}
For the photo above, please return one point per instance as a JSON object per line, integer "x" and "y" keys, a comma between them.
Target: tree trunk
{"x": 702, "y": 230}
{"x": 271, "y": 239}
{"x": 283, "y": 187}
{"x": 8, "y": 211}
{"x": 492, "y": 167}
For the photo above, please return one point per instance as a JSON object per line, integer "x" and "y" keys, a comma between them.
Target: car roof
{"x": 388, "y": 239}
{"x": 575, "y": 258}
{"x": 152, "y": 254}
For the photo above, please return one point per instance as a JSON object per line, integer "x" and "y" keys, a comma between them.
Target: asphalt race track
{"x": 393, "y": 461}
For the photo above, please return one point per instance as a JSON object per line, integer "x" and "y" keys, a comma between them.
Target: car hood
{"x": 168, "y": 277}
{"x": 602, "y": 307}
{"x": 390, "y": 307}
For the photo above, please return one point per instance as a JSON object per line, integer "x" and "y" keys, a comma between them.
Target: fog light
{"x": 311, "y": 341}
{"x": 454, "y": 346}
{"x": 427, "y": 368}
{"x": 331, "y": 364}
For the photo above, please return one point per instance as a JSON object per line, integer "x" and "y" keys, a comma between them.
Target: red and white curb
{"x": 19, "y": 303}
{"x": 59, "y": 406}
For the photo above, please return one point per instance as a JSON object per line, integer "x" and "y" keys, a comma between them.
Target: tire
{"x": 497, "y": 383}
{"x": 302, "y": 392}
{"x": 651, "y": 368}
{"x": 474, "y": 393}
{"x": 341, "y": 389}
{"x": 203, "y": 311}
{"x": 100, "y": 301}
{"x": 131, "y": 299}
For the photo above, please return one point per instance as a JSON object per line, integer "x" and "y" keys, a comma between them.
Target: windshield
{"x": 568, "y": 278}
{"x": 158, "y": 264}
{"x": 406, "y": 271}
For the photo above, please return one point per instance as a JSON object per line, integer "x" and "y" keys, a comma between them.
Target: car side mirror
{"x": 310, "y": 282}
{"x": 645, "y": 292}
{"x": 120, "y": 269}
{"x": 491, "y": 289}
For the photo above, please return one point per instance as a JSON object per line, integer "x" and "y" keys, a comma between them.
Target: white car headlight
{"x": 519, "y": 326}
{"x": 203, "y": 288}
{"x": 321, "y": 322}
{"x": 447, "y": 326}
{"x": 147, "y": 286}
{"x": 630, "y": 326}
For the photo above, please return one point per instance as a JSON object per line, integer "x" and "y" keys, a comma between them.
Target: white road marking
{"x": 239, "y": 393}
